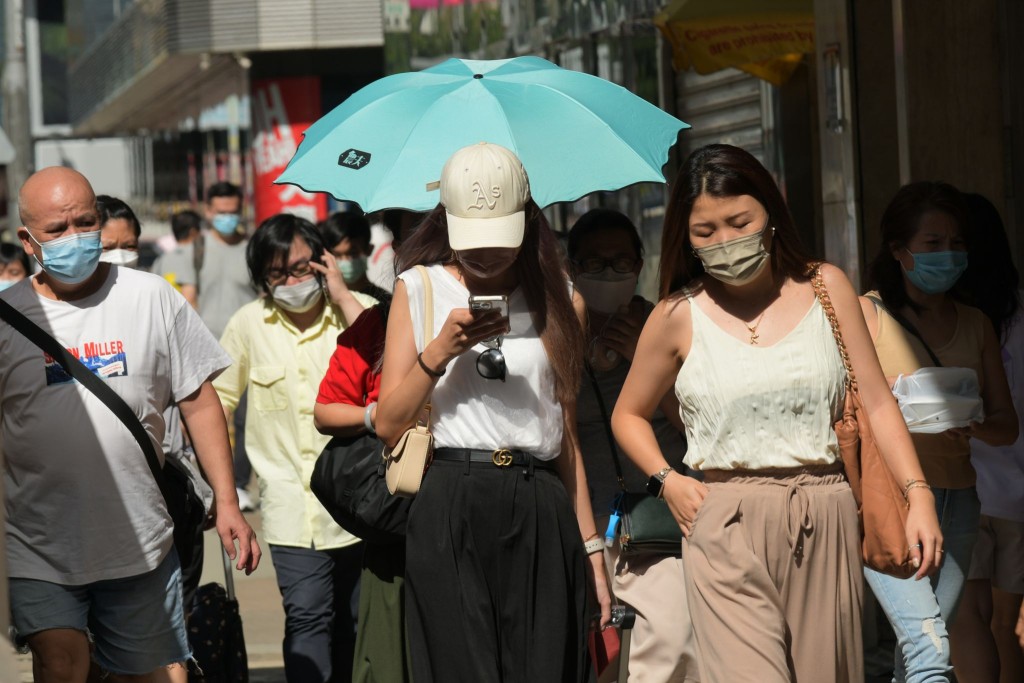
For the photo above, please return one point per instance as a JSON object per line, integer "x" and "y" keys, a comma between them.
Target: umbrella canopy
{"x": 575, "y": 133}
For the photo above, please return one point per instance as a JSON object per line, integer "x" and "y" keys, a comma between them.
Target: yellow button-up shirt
{"x": 282, "y": 367}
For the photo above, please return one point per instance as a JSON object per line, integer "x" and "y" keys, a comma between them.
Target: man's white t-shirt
{"x": 82, "y": 504}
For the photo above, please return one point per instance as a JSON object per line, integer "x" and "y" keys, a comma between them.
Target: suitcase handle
{"x": 623, "y": 618}
{"x": 229, "y": 579}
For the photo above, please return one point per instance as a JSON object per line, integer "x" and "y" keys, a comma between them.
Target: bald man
{"x": 89, "y": 540}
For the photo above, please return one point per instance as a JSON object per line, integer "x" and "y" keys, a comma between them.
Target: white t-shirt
{"x": 82, "y": 504}
{"x": 469, "y": 411}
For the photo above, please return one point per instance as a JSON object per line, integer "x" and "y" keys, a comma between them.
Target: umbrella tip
{"x": 478, "y": 75}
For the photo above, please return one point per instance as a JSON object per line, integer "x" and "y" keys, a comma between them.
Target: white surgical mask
{"x": 298, "y": 298}
{"x": 737, "y": 261}
{"x": 607, "y": 291}
{"x": 121, "y": 257}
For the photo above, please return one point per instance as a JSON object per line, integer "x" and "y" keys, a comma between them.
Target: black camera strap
{"x": 89, "y": 380}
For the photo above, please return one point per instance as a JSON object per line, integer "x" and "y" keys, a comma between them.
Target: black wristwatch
{"x": 656, "y": 484}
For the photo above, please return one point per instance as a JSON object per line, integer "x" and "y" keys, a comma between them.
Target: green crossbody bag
{"x": 646, "y": 524}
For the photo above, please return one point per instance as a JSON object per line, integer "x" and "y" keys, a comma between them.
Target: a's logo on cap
{"x": 482, "y": 196}
{"x": 354, "y": 158}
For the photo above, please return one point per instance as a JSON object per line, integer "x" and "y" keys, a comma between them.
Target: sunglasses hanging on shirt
{"x": 491, "y": 363}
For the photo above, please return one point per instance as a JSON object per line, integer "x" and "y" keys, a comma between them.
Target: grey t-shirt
{"x": 82, "y": 503}
{"x": 177, "y": 266}
{"x": 224, "y": 284}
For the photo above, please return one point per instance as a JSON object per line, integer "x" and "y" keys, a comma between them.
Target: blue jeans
{"x": 920, "y": 610}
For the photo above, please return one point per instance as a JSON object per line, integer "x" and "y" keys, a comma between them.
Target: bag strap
{"x": 89, "y": 380}
{"x": 428, "y": 319}
{"x": 821, "y": 292}
{"x": 606, "y": 423}
{"x": 908, "y": 326}
{"x": 428, "y": 306}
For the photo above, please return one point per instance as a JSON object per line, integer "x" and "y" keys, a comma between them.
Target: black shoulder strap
{"x": 908, "y": 326}
{"x": 607, "y": 424}
{"x": 88, "y": 379}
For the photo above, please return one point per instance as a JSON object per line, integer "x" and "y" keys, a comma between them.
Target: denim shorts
{"x": 136, "y": 623}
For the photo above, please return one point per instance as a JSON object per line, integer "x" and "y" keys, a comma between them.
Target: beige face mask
{"x": 737, "y": 261}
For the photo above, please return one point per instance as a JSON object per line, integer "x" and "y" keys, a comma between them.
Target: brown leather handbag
{"x": 881, "y": 504}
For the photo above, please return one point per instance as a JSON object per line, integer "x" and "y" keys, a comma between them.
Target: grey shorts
{"x": 999, "y": 554}
{"x": 136, "y": 623}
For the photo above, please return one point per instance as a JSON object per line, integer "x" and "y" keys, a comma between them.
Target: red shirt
{"x": 352, "y": 378}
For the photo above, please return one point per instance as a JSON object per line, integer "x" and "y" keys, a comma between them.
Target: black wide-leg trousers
{"x": 496, "y": 578}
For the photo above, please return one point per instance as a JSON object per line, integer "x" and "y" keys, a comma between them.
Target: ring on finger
{"x": 916, "y": 545}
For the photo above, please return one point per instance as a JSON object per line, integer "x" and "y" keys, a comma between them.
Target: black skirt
{"x": 496, "y": 578}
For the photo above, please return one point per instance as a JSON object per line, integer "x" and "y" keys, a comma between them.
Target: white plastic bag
{"x": 933, "y": 400}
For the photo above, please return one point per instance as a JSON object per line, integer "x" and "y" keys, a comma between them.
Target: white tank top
{"x": 759, "y": 407}
{"x": 469, "y": 411}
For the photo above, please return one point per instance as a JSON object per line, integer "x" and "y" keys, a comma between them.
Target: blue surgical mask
{"x": 935, "y": 272}
{"x": 7, "y": 284}
{"x": 352, "y": 269}
{"x": 226, "y": 223}
{"x": 71, "y": 259}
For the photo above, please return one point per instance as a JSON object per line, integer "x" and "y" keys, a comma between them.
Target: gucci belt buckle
{"x": 502, "y": 457}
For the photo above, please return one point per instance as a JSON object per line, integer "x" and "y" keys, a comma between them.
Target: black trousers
{"x": 496, "y": 578}
{"x": 320, "y": 591}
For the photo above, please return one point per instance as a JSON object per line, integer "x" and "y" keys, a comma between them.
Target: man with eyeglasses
{"x": 281, "y": 346}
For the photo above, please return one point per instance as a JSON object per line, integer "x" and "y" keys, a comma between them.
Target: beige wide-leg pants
{"x": 774, "y": 578}
{"x": 662, "y": 648}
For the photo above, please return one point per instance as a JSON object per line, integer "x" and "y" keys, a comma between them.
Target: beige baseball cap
{"x": 484, "y": 190}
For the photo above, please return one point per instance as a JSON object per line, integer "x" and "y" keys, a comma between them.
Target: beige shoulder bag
{"x": 408, "y": 461}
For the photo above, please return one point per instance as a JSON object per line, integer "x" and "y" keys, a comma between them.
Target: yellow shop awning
{"x": 764, "y": 38}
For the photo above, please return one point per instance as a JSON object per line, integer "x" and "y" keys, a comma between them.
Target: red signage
{"x": 282, "y": 109}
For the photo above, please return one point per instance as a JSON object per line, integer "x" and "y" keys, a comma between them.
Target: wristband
{"x": 594, "y": 545}
{"x": 432, "y": 373}
{"x": 368, "y": 418}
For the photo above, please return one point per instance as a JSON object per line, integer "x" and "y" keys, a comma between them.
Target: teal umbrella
{"x": 575, "y": 133}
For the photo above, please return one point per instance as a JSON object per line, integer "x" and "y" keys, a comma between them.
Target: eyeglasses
{"x": 279, "y": 275}
{"x": 592, "y": 266}
{"x": 491, "y": 363}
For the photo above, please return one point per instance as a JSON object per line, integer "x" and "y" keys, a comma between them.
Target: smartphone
{"x": 489, "y": 303}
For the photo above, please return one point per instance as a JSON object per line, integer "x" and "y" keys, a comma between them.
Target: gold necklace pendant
{"x": 752, "y": 329}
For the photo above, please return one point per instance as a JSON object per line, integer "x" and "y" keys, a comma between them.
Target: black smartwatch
{"x": 656, "y": 484}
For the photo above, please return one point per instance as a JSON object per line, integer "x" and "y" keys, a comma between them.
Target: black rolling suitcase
{"x": 215, "y": 633}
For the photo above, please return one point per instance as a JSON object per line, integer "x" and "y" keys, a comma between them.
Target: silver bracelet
{"x": 368, "y": 418}
{"x": 594, "y": 545}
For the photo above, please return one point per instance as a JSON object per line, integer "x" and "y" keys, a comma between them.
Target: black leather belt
{"x": 500, "y": 457}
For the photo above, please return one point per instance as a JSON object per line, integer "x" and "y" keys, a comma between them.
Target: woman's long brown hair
{"x": 543, "y": 277}
{"x": 724, "y": 171}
